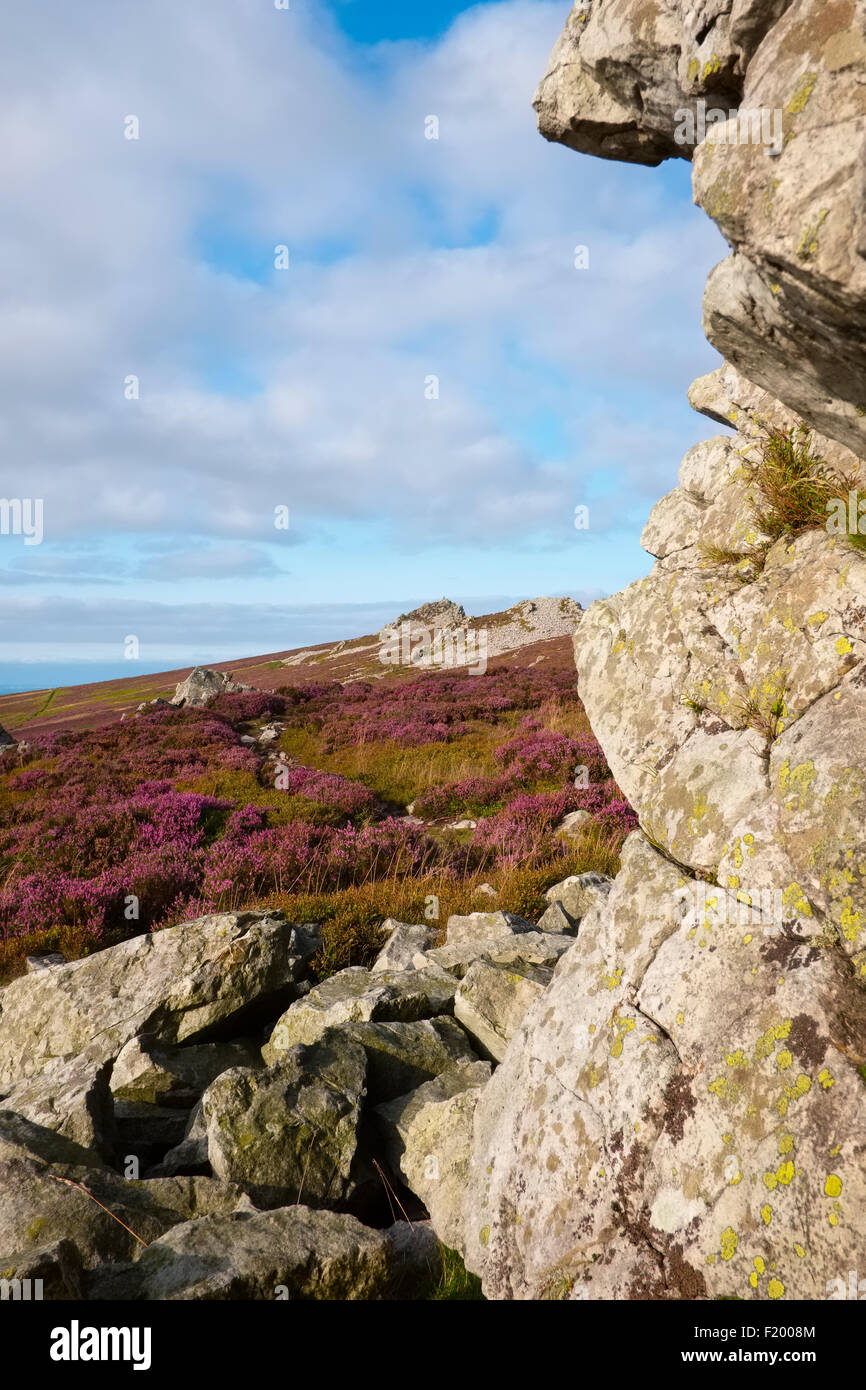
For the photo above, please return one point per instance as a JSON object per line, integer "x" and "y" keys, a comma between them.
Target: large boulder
{"x": 290, "y": 1132}
{"x": 681, "y": 1114}
{"x": 492, "y": 1000}
{"x": 291, "y": 1253}
{"x": 357, "y": 995}
{"x": 202, "y": 686}
{"x": 428, "y": 1141}
{"x": 173, "y": 985}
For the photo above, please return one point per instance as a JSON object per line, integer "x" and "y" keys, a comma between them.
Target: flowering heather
{"x": 429, "y": 709}
{"x": 158, "y": 819}
{"x": 521, "y": 832}
{"x": 350, "y": 799}
{"x": 245, "y": 705}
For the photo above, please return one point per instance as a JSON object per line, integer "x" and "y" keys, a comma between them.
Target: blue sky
{"x": 308, "y": 385}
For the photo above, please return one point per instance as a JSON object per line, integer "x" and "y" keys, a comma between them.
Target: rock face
{"x": 788, "y": 308}
{"x": 682, "y": 1114}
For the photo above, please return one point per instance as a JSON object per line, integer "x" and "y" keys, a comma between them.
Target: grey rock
{"x": 485, "y": 926}
{"x": 173, "y": 984}
{"x": 36, "y": 963}
{"x": 290, "y": 1133}
{"x": 577, "y": 894}
{"x": 405, "y": 940}
{"x": 53, "y": 1273}
{"x": 290, "y": 1253}
{"x": 72, "y": 1097}
{"x": 401, "y": 1056}
{"x": 492, "y": 1000}
{"x": 356, "y": 995}
{"x": 51, "y": 1189}
{"x": 202, "y": 686}
{"x": 175, "y": 1075}
{"x": 428, "y": 1139}
{"x": 530, "y": 948}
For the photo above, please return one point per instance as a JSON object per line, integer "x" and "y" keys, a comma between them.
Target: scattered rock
{"x": 492, "y": 1000}
{"x": 290, "y": 1253}
{"x": 405, "y": 940}
{"x": 572, "y": 824}
{"x": 290, "y": 1132}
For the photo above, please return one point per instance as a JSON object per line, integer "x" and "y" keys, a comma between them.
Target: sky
{"x": 296, "y": 332}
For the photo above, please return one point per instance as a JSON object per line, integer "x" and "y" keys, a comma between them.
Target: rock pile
{"x": 185, "y": 1116}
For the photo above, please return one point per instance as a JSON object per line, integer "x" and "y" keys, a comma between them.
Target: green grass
{"x": 792, "y": 487}
{"x": 455, "y": 1284}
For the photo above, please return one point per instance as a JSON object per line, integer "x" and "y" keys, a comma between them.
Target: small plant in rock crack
{"x": 768, "y": 722}
{"x": 793, "y": 489}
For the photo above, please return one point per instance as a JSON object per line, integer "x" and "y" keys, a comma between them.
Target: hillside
{"x": 533, "y": 631}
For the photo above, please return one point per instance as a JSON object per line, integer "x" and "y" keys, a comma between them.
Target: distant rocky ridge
{"x": 522, "y": 625}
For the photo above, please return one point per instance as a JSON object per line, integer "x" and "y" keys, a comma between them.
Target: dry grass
{"x": 351, "y": 918}
{"x": 396, "y": 773}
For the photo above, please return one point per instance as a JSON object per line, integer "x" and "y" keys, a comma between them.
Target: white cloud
{"x": 260, "y": 127}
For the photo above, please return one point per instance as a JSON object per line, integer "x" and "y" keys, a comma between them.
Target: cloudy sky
{"x": 421, "y": 379}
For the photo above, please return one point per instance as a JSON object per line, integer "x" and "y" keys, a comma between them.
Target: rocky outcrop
{"x": 641, "y": 81}
{"x": 682, "y": 1113}
{"x": 175, "y": 1162}
{"x": 202, "y": 686}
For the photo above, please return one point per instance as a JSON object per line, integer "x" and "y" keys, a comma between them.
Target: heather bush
{"x": 173, "y": 813}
